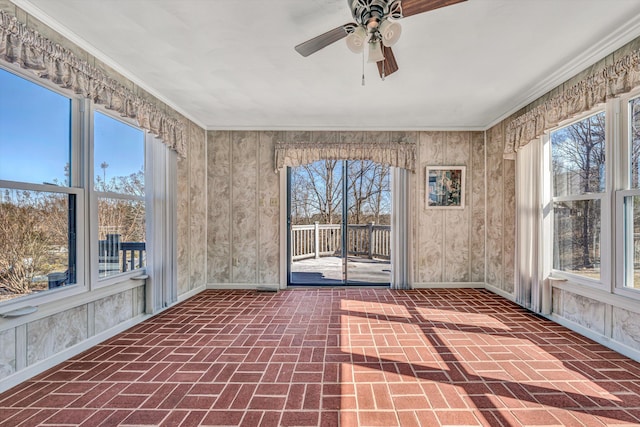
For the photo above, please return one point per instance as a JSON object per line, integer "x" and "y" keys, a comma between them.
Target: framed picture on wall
{"x": 445, "y": 187}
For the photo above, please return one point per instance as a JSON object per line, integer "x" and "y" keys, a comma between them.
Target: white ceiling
{"x": 230, "y": 64}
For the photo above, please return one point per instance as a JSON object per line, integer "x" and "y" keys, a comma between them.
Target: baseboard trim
{"x": 500, "y": 292}
{"x": 191, "y": 293}
{"x": 445, "y": 285}
{"x": 41, "y": 366}
{"x": 243, "y": 286}
{"x": 600, "y": 339}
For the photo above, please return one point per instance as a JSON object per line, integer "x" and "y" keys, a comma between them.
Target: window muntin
{"x": 119, "y": 183}
{"x": 35, "y": 133}
{"x": 578, "y": 163}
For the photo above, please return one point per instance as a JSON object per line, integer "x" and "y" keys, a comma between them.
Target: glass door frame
{"x": 344, "y": 235}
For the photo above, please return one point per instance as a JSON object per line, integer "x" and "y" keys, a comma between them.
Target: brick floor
{"x": 329, "y": 357}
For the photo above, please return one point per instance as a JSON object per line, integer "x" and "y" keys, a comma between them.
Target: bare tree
{"x": 36, "y": 234}
{"x": 369, "y": 192}
{"x": 26, "y": 242}
{"x": 316, "y": 192}
{"x": 578, "y": 162}
{"x": 123, "y": 216}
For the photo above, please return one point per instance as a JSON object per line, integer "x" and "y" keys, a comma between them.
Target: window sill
{"x": 119, "y": 278}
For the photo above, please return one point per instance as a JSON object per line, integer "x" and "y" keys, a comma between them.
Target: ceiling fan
{"x": 376, "y": 27}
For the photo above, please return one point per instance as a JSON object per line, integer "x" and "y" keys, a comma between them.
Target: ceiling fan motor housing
{"x": 370, "y": 13}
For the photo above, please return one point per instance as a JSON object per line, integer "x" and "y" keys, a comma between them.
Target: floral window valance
{"x": 30, "y": 50}
{"x": 397, "y": 154}
{"x": 611, "y": 81}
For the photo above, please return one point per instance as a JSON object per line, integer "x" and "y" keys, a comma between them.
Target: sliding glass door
{"x": 339, "y": 223}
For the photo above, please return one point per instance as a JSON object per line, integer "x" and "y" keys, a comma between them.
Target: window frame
{"x": 605, "y": 198}
{"x": 160, "y": 223}
{"x": 75, "y": 186}
{"x": 97, "y": 281}
{"x": 623, "y": 191}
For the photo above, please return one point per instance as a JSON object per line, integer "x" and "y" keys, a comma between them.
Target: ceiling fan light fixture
{"x": 356, "y": 40}
{"x": 375, "y": 51}
{"x": 390, "y": 32}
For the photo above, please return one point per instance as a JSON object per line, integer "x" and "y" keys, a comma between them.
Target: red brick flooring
{"x": 337, "y": 357}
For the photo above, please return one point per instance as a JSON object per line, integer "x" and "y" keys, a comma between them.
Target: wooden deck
{"x": 328, "y": 271}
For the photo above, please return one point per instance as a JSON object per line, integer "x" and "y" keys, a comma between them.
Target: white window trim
{"x": 604, "y": 282}
{"x": 96, "y": 281}
{"x": 78, "y": 177}
{"x": 623, "y": 191}
{"x": 161, "y": 289}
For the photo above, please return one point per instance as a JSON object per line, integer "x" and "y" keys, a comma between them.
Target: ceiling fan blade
{"x": 389, "y": 65}
{"x": 323, "y": 40}
{"x": 414, "y": 7}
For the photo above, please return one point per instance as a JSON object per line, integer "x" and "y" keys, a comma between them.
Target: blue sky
{"x": 34, "y": 131}
{"x": 119, "y": 145}
{"x": 35, "y": 135}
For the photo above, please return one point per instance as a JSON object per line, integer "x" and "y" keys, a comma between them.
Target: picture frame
{"x": 445, "y": 187}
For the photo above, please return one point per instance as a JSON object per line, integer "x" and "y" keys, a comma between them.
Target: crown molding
{"x": 613, "y": 41}
{"x": 330, "y": 128}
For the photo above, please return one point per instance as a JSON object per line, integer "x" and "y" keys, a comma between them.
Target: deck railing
{"x": 320, "y": 240}
{"x": 116, "y": 256}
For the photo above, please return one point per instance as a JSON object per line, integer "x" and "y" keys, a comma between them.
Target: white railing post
{"x": 317, "y": 240}
{"x": 371, "y": 240}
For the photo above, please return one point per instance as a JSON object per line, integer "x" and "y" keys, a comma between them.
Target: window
{"x": 578, "y": 190}
{"x": 81, "y": 192}
{"x": 119, "y": 184}
{"x": 39, "y": 189}
{"x": 629, "y": 199}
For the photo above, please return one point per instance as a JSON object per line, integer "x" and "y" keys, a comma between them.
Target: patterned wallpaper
{"x": 449, "y": 244}
{"x": 192, "y": 213}
{"x": 243, "y": 208}
{"x": 501, "y": 213}
{"x": 244, "y": 197}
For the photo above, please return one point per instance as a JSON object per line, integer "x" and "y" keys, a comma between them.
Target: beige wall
{"x": 192, "y": 214}
{"x": 58, "y": 328}
{"x": 449, "y": 245}
{"x": 243, "y": 208}
{"x": 501, "y": 213}
{"x": 244, "y": 215}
